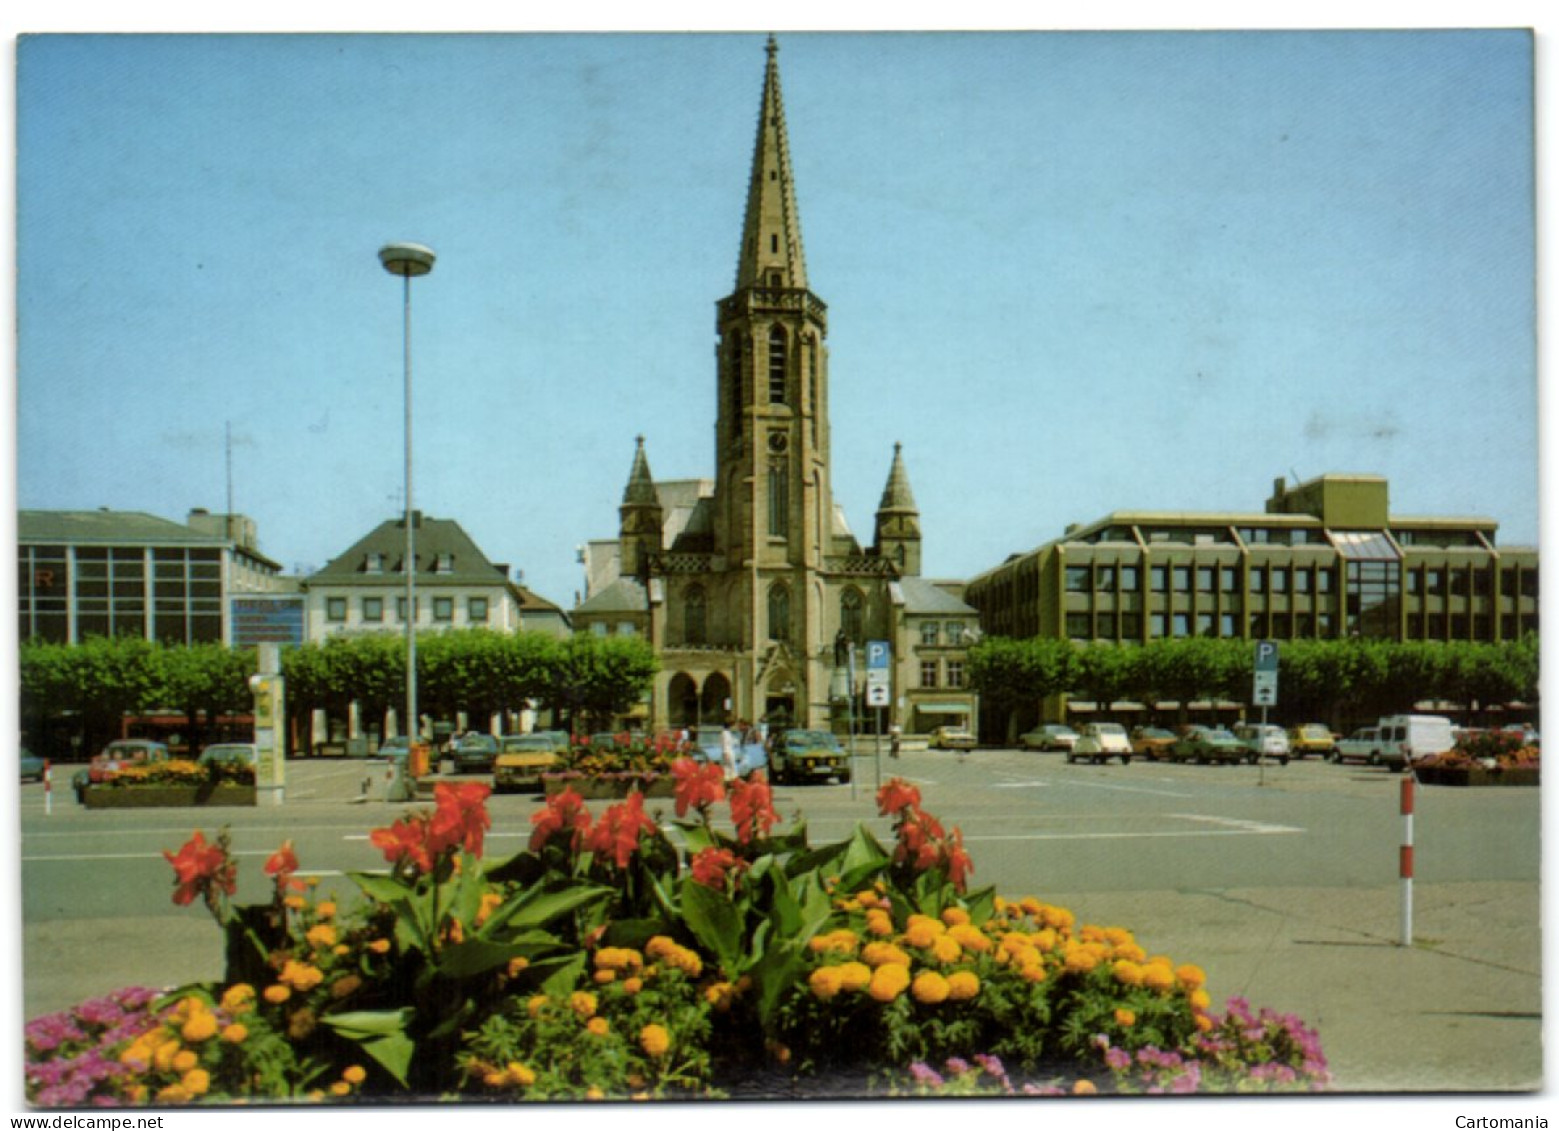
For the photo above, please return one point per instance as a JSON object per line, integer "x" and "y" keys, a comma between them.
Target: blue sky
{"x": 1071, "y": 273}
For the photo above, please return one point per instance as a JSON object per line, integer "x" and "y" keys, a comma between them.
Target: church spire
{"x": 771, "y": 233}
{"x": 898, "y": 520}
{"x": 640, "y": 519}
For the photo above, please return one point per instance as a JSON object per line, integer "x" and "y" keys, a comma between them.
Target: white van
{"x": 1406, "y": 738}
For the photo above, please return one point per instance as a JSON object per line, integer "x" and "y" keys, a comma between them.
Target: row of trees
{"x": 93, "y": 684}
{"x": 1331, "y": 681}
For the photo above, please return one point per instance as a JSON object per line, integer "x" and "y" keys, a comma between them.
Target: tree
{"x": 208, "y": 679}
{"x": 601, "y": 676}
{"x": 1014, "y": 676}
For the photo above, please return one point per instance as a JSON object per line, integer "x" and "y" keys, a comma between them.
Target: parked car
{"x": 951, "y": 738}
{"x": 521, "y": 759}
{"x": 1264, "y": 741}
{"x": 1099, "y": 742}
{"x": 1406, "y": 738}
{"x": 475, "y": 753}
{"x": 1363, "y": 745}
{"x": 807, "y": 755}
{"x": 1311, "y": 738}
{"x": 1204, "y": 744}
{"x": 1525, "y": 731}
{"x": 396, "y": 749}
{"x": 230, "y": 754}
{"x": 750, "y": 756}
{"x": 1049, "y": 736}
{"x": 1152, "y": 742}
{"x": 32, "y": 766}
{"x": 115, "y": 757}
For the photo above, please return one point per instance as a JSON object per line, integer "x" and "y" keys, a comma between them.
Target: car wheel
{"x": 1125, "y": 759}
{"x": 1374, "y": 757}
{"x": 1071, "y": 758}
{"x": 844, "y": 778}
{"x": 1334, "y": 757}
{"x": 1251, "y": 759}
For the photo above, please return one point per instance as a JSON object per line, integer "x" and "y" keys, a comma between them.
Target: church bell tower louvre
{"x": 750, "y": 585}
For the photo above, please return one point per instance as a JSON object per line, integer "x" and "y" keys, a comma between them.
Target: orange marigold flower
{"x": 1084, "y": 1088}
{"x": 598, "y": 1026}
{"x": 1199, "y": 1000}
{"x": 632, "y": 986}
{"x": 300, "y": 975}
{"x": 1128, "y": 973}
{"x": 1156, "y": 976}
{"x": 879, "y": 922}
{"x": 1125, "y": 1018}
{"x": 929, "y": 987}
{"x": 922, "y": 930}
{"x": 583, "y": 1003}
{"x": 201, "y": 1026}
{"x": 954, "y": 916}
{"x": 1191, "y": 977}
{"x": 962, "y": 985}
{"x": 184, "y": 1060}
{"x": 971, "y": 937}
{"x": 604, "y": 977}
{"x": 321, "y": 937}
{"x": 235, "y": 1034}
{"x": 295, "y": 902}
{"x": 1204, "y": 1023}
{"x": 854, "y": 976}
{"x": 825, "y": 982}
{"x": 197, "y": 1081}
{"x": 884, "y": 954}
{"x": 517, "y": 1073}
{"x": 354, "y": 1074}
{"x": 945, "y": 949}
{"x": 1080, "y": 960}
{"x": 654, "y": 1040}
{"x": 238, "y": 998}
{"x": 536, "y": 1004}
{"x": 888, "y": 981}
{"x": 277, "y": 994}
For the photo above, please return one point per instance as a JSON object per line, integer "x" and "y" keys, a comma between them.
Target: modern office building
{"x": 1326, "y": 558}
{"x": 115, "y": 573}
{"x": 751, "y": 585}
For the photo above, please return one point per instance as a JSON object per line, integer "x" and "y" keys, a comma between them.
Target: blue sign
{"x": 267, "y": 620}
{"x": 878, "y": 653}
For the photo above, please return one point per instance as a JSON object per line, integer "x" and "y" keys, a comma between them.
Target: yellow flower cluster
{"x": 172, "y": 1049}
{"x": 666, "y": 950}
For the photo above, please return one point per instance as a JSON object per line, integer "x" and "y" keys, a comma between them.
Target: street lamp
{"x": 409, "y": 260}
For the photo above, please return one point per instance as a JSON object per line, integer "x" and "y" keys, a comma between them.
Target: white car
{"x": 1264, "y": 741}
{"x": 1099, "y": 742}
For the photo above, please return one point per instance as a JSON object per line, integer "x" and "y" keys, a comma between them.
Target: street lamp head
{"x": 406, "y": 259}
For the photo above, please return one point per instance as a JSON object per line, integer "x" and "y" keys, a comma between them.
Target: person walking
{"x": 728, "y": 750}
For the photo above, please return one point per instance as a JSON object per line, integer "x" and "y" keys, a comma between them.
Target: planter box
{"x": 615, "y": 787}
{"x": 166, "y": 796}
{"x": 1476, "y": 775}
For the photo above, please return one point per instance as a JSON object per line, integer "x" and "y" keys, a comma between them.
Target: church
{"x": 757, "y": 597}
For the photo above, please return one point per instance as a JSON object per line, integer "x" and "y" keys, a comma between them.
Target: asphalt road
{"x": 1280, "y": 880}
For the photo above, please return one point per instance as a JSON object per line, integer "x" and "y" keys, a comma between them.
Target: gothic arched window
{"x": 779, "y": 611}
{"x": 779, "y": 498}
{"x": 852, "y": 615}
{"x": 777, "y": 366}
{"x": 695, "y": 616}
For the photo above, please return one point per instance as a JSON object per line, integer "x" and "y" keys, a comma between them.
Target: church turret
{"x": 641, "y": 518}
{"x": 898, "y": 520}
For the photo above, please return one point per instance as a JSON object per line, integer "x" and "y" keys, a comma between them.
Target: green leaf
{"x": 714, "y": 921}
{"x": 536, "y": 907}
{"x": 382, "y": 1035}
{"x": 565, "y": 977}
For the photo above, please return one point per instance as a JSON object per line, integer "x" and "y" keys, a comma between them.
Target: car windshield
{"x": 1111, "y": 728}
{"x": 809, "y": 738}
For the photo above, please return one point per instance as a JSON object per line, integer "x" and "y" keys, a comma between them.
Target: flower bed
{"x": 597, "y": 787}
{"x": 606, "y": 961}
{"x": 106, "y": 796}
{"x": 1483, "y": 758}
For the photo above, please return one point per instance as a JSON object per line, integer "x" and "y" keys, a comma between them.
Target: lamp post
{"x": 408, "y": 260}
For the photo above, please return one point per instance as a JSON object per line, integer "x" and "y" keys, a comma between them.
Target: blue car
{"x": 32, "y": 767}
{"x": 750, "y": 756}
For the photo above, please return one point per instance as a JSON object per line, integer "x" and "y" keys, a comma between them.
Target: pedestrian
{"x": 728, "y": 750}
{"x": 894, "y": 735}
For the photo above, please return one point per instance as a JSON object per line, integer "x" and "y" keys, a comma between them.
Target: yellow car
{"x": 1311, "y": 738}
{"x": 522, "y": 759}
{"x": 951, "y": 738}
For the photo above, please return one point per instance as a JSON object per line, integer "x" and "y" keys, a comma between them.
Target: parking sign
{"x": 1264, "y": 692}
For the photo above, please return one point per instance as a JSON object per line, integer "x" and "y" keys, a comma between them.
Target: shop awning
{"x": 944, "y": 708}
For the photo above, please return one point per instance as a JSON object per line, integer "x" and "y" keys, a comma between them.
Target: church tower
{"x": 640, "y": 519}
{"x": 898, "y": 520}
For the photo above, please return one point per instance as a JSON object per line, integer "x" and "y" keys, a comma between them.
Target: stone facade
{"x": 751, "y": 585}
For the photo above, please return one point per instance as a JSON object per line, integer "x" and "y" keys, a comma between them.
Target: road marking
{"x": 1091, "y": 785}
{"x": 1226, "y": 826}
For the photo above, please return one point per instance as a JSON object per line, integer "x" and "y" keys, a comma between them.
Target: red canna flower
{"x": 282, "y": 864}
{"x": 616, "y": 835}
{"x": 895, "y": 796}
{"x": 406, "y": 841}
{"x": 957, "y": 860}
{"x": 698, "y": 784}
{"x": 201, "y": 869}
{"x": 752, "y": 807}
{"x": 461, "y": 817}
{"x": 565, "y": 812}
{"x": 710, "y": 866}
